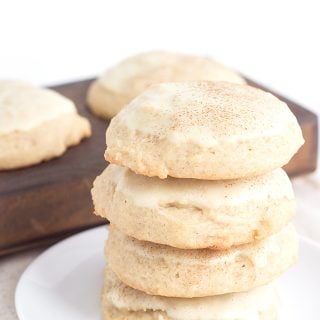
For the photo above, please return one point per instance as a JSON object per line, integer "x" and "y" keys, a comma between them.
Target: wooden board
{"x": 43, "y": 203}
{"x": 306, "y": 159}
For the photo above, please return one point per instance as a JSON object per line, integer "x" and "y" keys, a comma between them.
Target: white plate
{"x": 64, "y": 283}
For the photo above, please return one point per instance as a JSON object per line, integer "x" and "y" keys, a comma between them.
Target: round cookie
{"x": 162, "y": 270}
{"x": 203, "y": 130}
{"x": 191, "y": 213}
{"x": 120, "y": 302}
{"x": 36, "y": 124}
{"x": 123, "y": 82}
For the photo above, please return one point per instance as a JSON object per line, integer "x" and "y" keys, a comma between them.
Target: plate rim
{"x": 43, "y": 254}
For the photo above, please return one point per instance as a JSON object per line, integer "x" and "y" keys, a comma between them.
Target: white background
{"x": 274, "y": 42}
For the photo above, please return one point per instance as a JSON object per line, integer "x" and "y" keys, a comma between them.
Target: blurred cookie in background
{"x": 36, "y": 124}
{"x": 120, "y": 84}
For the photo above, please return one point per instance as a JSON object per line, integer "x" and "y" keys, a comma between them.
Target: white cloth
{"x": 11, "y": 268}
{"x": 307, "y": 220}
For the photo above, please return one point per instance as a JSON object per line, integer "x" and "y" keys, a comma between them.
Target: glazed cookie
{"x": 36, "y": 124}
{"x": 120, "y": 84}
{"x": 203, "y": 130}
{"x": 162, "y": 270}
{"x": 120, "y": 302}
{"x": 190, "y": 213}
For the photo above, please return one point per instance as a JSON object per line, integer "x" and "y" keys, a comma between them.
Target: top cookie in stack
{"x": 223, "y": 226}
{"x": 203, "y": 130}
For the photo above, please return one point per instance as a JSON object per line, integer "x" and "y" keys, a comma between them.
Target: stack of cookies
{"x": 199, "y": 206}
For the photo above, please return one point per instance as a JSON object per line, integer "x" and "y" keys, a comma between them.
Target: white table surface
{"x": 307, "y": 221}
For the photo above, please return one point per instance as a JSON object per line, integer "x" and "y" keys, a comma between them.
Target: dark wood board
{"x": 306, "y": 158}
{"x": 43, "y": 203}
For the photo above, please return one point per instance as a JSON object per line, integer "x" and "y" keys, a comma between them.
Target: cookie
{"x": 162, "y": 270}
{"x": 120, "y": 302}
{"x": 190, "y": 213}
{"x": 203, "y": 130}
{"x": 36, "y": 124}
{"x": 123, "y": 82}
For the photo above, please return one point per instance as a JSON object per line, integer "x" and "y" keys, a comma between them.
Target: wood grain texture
{"x": 41, "y": 204}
